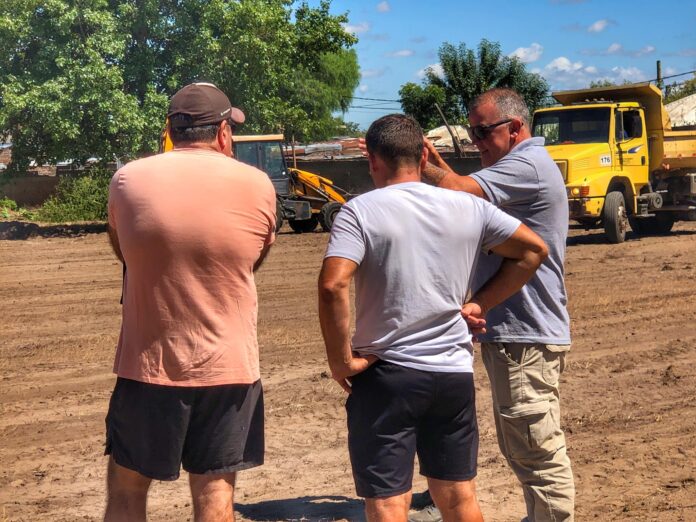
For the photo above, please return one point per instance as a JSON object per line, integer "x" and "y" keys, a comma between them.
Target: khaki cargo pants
{"x": 526, "y": 405}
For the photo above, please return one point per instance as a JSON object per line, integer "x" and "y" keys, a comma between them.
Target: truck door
{"x": 632, "y": 145}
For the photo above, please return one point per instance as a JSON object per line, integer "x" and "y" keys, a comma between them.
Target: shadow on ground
{"x": 309, "y": 509}
{"x": 18, "y": 230}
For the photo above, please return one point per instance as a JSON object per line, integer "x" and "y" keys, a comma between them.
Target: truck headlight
{"x": 582, "y": 191}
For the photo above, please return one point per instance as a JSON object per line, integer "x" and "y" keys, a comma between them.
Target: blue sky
{"x": 569, "y": 42}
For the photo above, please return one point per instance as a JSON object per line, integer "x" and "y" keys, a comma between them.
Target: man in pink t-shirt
{"x": 191, "y": 226}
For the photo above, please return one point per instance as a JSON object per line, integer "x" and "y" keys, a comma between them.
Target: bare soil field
{"x": 629, "y": 391}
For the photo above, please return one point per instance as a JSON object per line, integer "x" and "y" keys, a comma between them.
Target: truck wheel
{"x": 304, "y": 225}
{"x": 659, "y": 224}
{"x": 614, "y": 217}
{"x": 328, "y": 215}
{"x": 279, "y": 216}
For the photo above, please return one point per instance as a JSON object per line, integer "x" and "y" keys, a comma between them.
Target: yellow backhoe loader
{"x": 303, "y": 199}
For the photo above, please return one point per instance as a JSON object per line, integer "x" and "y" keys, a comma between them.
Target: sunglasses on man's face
{"x": 481, "y": 132}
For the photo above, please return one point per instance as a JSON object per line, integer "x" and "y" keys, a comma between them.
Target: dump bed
{"x": 680, "y": 150}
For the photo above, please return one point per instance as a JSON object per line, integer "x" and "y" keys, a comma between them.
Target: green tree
{"x": 419, "y": 101}
{"x": 92, "y": 77}
{"x": 466, "y": 73}
{"x": 677, "y": 91}
{"x": 61, "y": 92}
{"x": 595, "y": 84}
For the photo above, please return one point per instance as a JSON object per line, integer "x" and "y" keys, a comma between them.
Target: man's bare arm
{"x": 334, "y": 318}
{"x": 438, "y": 173}
{"x": 522, "y": 255}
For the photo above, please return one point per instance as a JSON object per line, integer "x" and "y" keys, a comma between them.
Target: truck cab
{"x": 610, "y": 145}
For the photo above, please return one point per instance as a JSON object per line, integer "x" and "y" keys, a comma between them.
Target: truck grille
{"x": 563, "y": 167}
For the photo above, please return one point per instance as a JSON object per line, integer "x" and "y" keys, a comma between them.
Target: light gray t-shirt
{"x": 416, "y": 247}
{"x": 527, "y": 184}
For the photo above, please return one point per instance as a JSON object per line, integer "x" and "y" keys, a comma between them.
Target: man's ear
{"x": 371, "y": 161}
{"x": 221, "y": 137}
{"x": 424, "y": 158}
{"x": 515, "y": 126}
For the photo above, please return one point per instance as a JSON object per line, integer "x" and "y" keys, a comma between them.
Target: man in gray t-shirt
{"x": 528, "y": 335}
{"x": 412, "y": 249}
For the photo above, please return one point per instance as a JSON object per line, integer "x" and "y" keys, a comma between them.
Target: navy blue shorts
{"x": 155, "y": 429}
{"x": 395, "y": 412}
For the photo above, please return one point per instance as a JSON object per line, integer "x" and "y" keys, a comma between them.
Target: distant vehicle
{"x": 621, "y": 160}
{"x": 303, "y": 199}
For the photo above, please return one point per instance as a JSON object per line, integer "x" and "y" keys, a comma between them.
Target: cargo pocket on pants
{"x": 528, "y": 430}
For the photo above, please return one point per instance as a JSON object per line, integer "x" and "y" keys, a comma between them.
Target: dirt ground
{"x": 629, "y": 391}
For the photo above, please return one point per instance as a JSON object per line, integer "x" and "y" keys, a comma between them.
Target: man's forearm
{"x": 512, "y": 275}
{"x": 334, "y": 318}
{"x": 433, "y": 175}
{"x": 449, "y": 179}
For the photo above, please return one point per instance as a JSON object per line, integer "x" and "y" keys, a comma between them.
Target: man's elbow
{"x": 538, "y": 253}
{"x": 330, "y": 289}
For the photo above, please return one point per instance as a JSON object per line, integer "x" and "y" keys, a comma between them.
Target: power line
{"x": 675, "y": 75}
{"x": 376, "y": 99}
{"x": 377, "y": 104}
{"x": 372, "y": 111}
{"x": 374, "y": 107}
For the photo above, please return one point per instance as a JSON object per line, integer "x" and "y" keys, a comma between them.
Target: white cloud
{"x": 528, "y": 54}
{"x": 631, "y": 74}
{"x": 356, "y": 29}
{"x": 403, "y": 53}
{"x": 616, "y": 49}
{"x": 598, "y": 26}
{"x": 436, "y": 68}
{"x": 383, "y": 7}
{"x": 363, "y": 88}
{"x": 564, "y": 65}
{"x": 563, "y": 73}
{"x": 373, "y": 73}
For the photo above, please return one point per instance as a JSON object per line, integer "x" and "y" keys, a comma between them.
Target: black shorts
{"x": 155, "y": 429}
{"x": 395, "y": 412}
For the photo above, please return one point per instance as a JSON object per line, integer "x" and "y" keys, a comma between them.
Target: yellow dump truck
{"x": 621, "y": 160}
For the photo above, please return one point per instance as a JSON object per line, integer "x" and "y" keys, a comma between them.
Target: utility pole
{"x": 455, "y": 139}
{"x": 659, "y": 75}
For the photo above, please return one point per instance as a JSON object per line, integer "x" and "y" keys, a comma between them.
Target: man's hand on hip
{"x": 356, "y": 365}
{"x": 474, "y": 315}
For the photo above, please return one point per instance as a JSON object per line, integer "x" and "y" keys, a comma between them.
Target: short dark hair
{"x": 508, "y": 102}
{"x": 396, "y": 138}
{"x": 200, "y": 134}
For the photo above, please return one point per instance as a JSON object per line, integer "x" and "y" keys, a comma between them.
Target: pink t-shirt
{"x": 190, "y": 224}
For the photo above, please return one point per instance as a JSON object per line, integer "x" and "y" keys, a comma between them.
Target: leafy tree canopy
{"x": 678, "y": 91}
{"x": 81, "y": 78}
{"x": 596, "y": 84}
{"x": 466, "y": 73}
